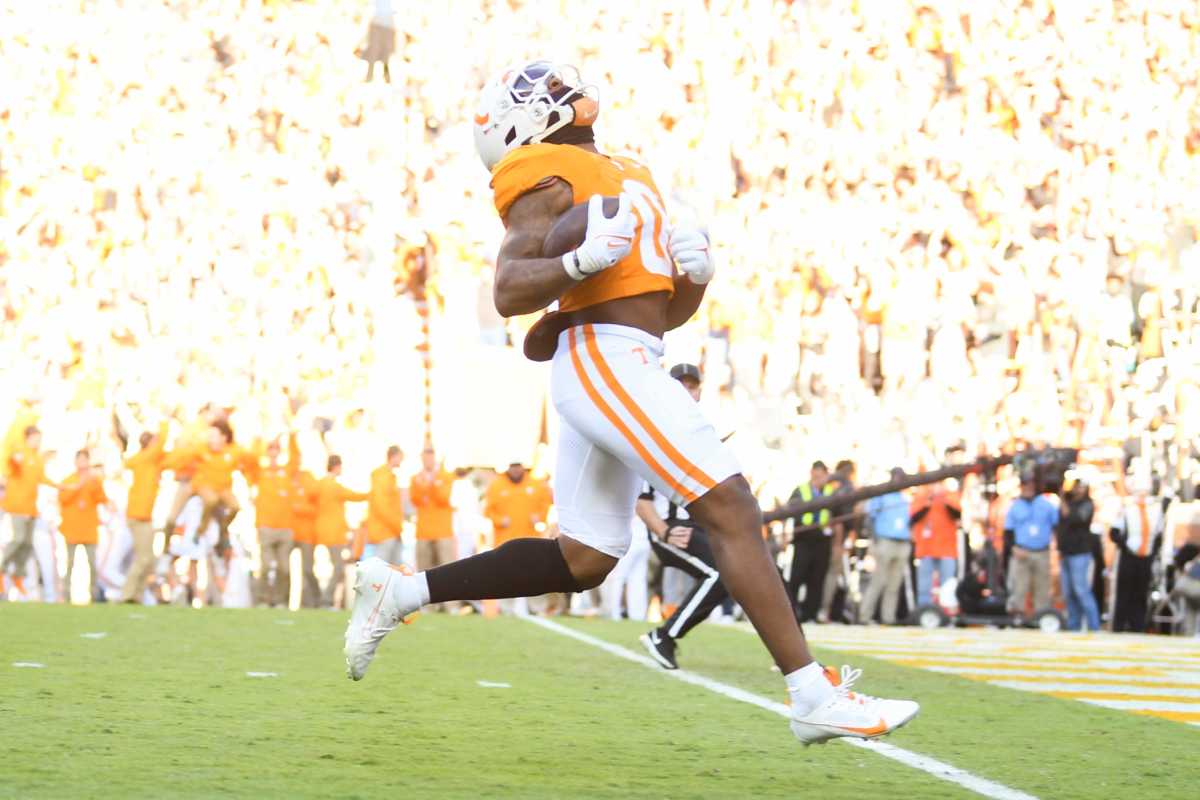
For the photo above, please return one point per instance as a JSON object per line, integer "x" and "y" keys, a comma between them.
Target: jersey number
{"x": 651, "y": 227}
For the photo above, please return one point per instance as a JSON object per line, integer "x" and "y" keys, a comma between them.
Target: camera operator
{"x": 1137, "y": 532}
{"x": 1075, "y": 543}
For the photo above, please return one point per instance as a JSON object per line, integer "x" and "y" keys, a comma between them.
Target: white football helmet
{"x": 526, "y": 104}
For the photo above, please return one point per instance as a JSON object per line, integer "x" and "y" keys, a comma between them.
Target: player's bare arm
{"x": 685, "y": 302}
{"x": 525, "y": 281}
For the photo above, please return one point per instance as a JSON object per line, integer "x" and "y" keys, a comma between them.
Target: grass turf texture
{"x": 162, "y": 707}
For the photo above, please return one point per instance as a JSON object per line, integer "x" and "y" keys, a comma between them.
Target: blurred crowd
{"x": 937, "y": 223}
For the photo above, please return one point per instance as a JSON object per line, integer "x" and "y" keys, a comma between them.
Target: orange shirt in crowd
{"x": 147, "y": 466}
{"x": 935, "y": 535}
{"x": 432, "y": 501}
{"x": 331, "y": 510}
{"x": 516, "y": 508}
{"x": 79, "y": 499}
{"x": 24, "y": 471}
{"x": 193, "y": 437}
{"x": 213, "y": 469}
{"x": 304, "y": 497}
{"x": 273, "y": 485}
{"x": 385, "y": 508}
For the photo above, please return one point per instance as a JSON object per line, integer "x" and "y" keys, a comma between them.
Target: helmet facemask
{"x": 538, "y": 102}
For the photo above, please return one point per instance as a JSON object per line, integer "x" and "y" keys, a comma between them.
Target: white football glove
{"x": 689, "y": 247}
{"x": 607, "y": 241}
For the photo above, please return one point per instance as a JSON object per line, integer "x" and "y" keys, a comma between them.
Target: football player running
{"x": 623, "y": 420}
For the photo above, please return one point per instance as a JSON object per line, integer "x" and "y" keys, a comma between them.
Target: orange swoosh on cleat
{"x": 875, "y": 730}
{"x": 481, "y": 119}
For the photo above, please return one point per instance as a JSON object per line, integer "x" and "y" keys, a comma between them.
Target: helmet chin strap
{"x": 572, "y": 134}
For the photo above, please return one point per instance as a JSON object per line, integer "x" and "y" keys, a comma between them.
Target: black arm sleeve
{"x": 918, "y": 516}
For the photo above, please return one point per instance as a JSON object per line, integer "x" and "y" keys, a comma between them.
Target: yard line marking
{"x": 1039, "y": 674}
{"x": 1099, "y": 689}
{"x": 1039, "y": 657}
{"x": 285, "y": 622}
{"x": 28, "y": 664}
{"x": 491, "y": 685}
{"x": 1132, "y": 669}
{"x": 96, "y": 635}
{"x": 262, "y": 674}
{"x": 1141, "y": 705}
{"x": 938, "y": 769}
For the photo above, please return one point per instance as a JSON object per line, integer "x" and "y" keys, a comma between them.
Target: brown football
{"x": 569, "y": 229}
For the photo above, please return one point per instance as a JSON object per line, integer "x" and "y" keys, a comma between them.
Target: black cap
{"x": 681, "y": 371}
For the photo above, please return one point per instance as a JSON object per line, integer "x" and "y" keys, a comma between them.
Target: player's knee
{"x": 589, "y": 567}
{"x": 729, "y": 509}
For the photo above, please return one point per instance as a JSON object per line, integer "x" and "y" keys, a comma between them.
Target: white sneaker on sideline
{"x": 376, "y": 613}
{"x": 850, "y": 714}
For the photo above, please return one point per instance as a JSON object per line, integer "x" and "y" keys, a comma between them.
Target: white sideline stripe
{"x": 1139, "y": 705}
{"x": 938, "y": 769}
{"x": 1037, "y": 674}
{"x": 1098, "y": 688}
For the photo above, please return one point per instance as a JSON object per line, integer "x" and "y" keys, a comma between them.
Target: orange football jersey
{"x": 648, "y": 266}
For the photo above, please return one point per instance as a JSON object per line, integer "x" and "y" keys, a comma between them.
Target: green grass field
{"x": 162, "y": 706}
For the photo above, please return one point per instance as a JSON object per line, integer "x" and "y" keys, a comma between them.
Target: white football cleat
{"x": 850, "y": 714}
{"x": 375, "y": 615}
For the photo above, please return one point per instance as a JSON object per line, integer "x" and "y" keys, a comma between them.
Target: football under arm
{"x": 525, "y": 281}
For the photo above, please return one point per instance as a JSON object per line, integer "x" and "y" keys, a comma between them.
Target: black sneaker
{"x": 661, "y": 648}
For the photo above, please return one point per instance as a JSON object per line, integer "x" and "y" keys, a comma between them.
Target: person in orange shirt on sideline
{"x": 25, "y": 471}
{"x": 331, "y": 523}
{"x": 147, "y": 467}
{"x": 935, "y": 514}
{"x": 79, "y": 498}
{"x": 430, "y": 494}
{"x": 273, "y": 517}
{"x": 516, "y": 504}
{"x": 214, "y": 465}
{"x": 385, "y": 509}
{"x": 304, "y": 496}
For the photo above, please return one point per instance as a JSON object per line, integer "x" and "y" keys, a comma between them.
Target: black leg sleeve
{"x": 518, "y": 568}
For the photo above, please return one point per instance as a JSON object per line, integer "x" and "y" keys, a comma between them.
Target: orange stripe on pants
{"x": 617, "y": 423}
{"x": 610, "y": 380}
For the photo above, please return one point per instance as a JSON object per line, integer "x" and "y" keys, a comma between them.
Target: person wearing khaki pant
{"x": 275, "y": 546}
{"x": 1029, "y": 524}
{"x": 892, "y": 558}
{"x": 25, "y": 471}
{"x": 1030, "y": 571}
{"x": 891, "y": 547}
{"x": 147, "y": 467}
{"x": 430, "y": 494}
